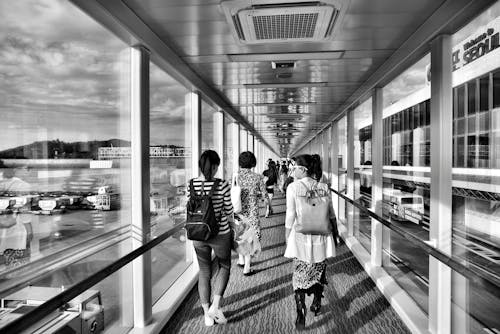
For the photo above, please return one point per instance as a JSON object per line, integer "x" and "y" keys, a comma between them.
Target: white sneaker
{"x": 209, "y": 321}
{"x": 217, "y": 315}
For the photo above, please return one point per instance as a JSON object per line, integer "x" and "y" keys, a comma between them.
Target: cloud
{"x": 61, "y": 74}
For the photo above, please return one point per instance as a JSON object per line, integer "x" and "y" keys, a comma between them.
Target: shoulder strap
{"x": 214, "y": 186}
{"x": 191, "y": 188}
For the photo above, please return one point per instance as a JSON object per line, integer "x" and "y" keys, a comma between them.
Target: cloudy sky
{"x": 64, "y": 76}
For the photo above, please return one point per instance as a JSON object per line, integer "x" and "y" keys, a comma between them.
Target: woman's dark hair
{"x": 207, "y": 160}
{"x": 272, "y": 173}
{"x": 247, "y": 160}
{"x": 313, "y": 165}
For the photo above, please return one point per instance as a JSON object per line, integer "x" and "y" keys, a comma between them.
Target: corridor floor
{"x": 264, "y": 303}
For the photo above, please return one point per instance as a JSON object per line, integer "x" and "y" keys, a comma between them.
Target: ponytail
{"x": 316, "y": 170}
{"x": 207, "y": 160}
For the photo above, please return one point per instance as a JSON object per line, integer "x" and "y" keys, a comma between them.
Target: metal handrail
{"x": 483, "y": 280}
{"x": 37, "y": 314}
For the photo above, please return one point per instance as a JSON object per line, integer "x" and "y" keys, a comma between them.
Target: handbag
{"x": 236, "y": 194}
{"x": 313, "y": 211}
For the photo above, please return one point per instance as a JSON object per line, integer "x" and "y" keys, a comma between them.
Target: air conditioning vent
{"x": 267, "y": 21}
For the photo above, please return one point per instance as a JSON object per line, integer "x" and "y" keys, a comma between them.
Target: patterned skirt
{"x": 307, "y": 274}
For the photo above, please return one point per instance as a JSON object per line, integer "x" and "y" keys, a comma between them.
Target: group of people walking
{"x": 310, "y": 226}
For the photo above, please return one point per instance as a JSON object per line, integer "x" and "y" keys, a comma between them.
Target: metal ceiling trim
{"x": 255, "y": 57}
{"x": 447, "y": 19}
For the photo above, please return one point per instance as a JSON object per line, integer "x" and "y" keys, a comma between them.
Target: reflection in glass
{"x": 476, "y": 188}
{"x": 406, "y": 181}
{"x": 342, "y": 163}
{"x": 170, "y": 168}
{"x": 64, "y": 143}
{"x": 363, "y": 170}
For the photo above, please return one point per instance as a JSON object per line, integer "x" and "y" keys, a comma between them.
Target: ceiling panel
{"x": 371, "y": 31}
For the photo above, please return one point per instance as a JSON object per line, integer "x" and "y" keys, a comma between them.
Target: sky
{"x": 63, "y": 76}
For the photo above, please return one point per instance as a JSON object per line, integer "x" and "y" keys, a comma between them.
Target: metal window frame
{"x": 141, "y": 229}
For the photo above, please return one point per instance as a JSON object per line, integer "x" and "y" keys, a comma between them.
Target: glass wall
{"x": 363, "y": 171}
{"x": 170, "y": 169}
{"x": 243, "y": 140}
{"x": 406, "y": 177}
{"x": 229, "y": 149}
{"x": 342, "y": 161}
{"x": 476, "y": 169}
{"x": 64, "y": 150}
{"x": 208, "y": 125}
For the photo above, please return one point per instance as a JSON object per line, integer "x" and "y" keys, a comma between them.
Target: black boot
{"x": 300, "y": 301}
{"x": 318, "y": 294}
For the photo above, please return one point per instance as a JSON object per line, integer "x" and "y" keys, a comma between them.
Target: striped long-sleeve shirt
{"x": 221, "y": 200}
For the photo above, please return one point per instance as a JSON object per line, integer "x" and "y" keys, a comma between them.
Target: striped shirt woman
{"x": 221, "y": 200}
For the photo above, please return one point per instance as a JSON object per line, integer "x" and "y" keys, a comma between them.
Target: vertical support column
{"x": 219, "y": 141}
{"x": 193, "y": 103}
{"x": 335, "y": 165}
{"x": 350, "y": 171}
{"x": 243, "y": 140}
{"x": 195, "y": 106}
{"x": 377, "y": 152}
{"x": 141, "y": 267}
{"x": 236, "y": 146}
{"x": 441, "y": 165}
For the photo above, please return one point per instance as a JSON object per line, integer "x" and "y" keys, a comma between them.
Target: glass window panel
{"x": 228, "y": 147}
{"x": 471, "y": 124}
{"x": 363, "y": 171}
{"x": 342, "y": 163}
{"x": 484, "y": 93}
{"x": 170, "y": 168}
{"x": 484, "y": 121}
{"x": 406, "y": 189}
{"x": 496, "y": 89}
{"x": 471, "y": 151}
{"x": 460, "y": 101}
{"x": 461, "y": 126}
{"x": 471, "y": 97}
{"x": 64, "y": 142}
{"x": 208, "y": 141}
{"x": 461, "y": 152}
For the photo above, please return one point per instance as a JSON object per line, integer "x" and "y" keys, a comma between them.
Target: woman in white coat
{"x": 308, "y": 251}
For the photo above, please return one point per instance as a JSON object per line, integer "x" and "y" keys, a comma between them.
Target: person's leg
{"x": 271, "y": 195}
{"x": 241, "y": 260}
{"x": 247, "y": 261}
{"x": 222, "y": 250}
{"x": 204, "y": 256}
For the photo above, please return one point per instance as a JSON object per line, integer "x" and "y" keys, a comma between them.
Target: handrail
{"x": 37, "y": 314}
{"x": 491, "y": 284}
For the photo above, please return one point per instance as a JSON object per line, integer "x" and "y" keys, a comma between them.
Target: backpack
{"x": 201, "y": 223}
{"x": 313, "y": 211}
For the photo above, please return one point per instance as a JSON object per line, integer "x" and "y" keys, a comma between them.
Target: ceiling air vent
{"x": 264, "y": 21}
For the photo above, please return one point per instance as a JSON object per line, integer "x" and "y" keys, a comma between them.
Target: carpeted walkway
{"x": 264, "y": 303}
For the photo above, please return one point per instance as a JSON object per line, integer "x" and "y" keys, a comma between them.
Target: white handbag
{"x": 236, "y": 194}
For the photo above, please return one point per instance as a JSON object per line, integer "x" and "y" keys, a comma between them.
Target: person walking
{"x": 252, "y": 188}
{"x": 220, "y": 244}
{"x": 283, "y": 172}
{"x": 309, "y": 250}
{"x": 271, "y": 178}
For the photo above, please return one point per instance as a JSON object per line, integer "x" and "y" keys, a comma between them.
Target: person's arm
{"x": 228, "y": 205}
{"x": 291, "y": 212}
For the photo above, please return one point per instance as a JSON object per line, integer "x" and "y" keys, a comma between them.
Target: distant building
{"x": 106, "y": 153}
